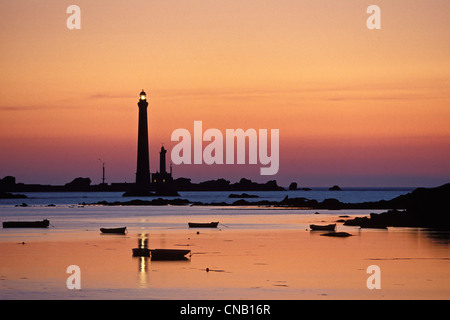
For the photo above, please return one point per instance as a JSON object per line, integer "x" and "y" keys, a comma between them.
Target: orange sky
{"x": 354, "y": 107}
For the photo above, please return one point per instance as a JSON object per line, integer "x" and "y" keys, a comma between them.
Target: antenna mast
{"x": 103, "y": 170}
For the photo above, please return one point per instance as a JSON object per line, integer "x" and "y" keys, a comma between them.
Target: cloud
{"x": 24, "y": 108}
{"x": 109, "y": 96}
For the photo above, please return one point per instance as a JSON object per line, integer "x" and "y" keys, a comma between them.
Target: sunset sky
{"x": 355, "y": 107}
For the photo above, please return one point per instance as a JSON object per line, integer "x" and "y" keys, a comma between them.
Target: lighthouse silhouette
{"x": 143, "y": 161}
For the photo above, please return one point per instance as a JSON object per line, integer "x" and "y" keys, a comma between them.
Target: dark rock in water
{"x": 337, "y": 234}
{"x": 242, "y": 195}
{"x": 22, "y": 205}
{"x": 293, "y": 186}
{"x": 391, "y": 218}
{"x": 7, "y": 195}
{"x": 335, "y": 188}
{"x": 332, "y": 204}
{"x": 298, "y": 202}
{"x": 241, "y": 202}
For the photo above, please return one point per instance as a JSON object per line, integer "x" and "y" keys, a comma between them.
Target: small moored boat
{"x": 328, "y": 227}
{"x": 141, "y": 252}
{"x": 203, "y": 225}
{"x": 161, "y": 254}
{"x": 122, "y": 230}
{"x": 169, "y": 254}
{"x": 26, "y": 224}
{"x": 337, "y": 234}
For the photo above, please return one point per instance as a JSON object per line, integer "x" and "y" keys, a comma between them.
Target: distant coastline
{"x": 8, "y": 184}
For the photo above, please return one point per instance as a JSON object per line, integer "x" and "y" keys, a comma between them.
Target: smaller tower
{"x": 162, "y": 160}
{"x": 162, "y": 177}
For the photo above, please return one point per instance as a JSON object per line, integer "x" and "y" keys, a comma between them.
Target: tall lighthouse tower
{"x": 143, "y": 161}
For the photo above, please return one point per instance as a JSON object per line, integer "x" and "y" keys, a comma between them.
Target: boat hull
{"x": 161, "y": 254}
{"x": 329, "y": 227}
{"x": 141, "y": 252}
{"x": 114, "y": 230}
{"x": 169, "y": 254}
{"x": 203, "y": 225}
{"x": 26, "y": 224}
{"x": 337, "y": 234}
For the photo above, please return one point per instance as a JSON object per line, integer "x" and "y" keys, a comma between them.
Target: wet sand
{"x": 285, "y": 264}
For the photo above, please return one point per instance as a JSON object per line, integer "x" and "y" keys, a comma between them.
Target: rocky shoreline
{"x": 423, "y": 207}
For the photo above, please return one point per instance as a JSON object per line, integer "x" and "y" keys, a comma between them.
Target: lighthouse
{"x": 143, "y": 161}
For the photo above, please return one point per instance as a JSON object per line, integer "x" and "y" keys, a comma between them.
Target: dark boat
{"x": 141, "y": 252}
{"x": 329, "y": 227}
{"x": 337, "y": 234}
{"x": 122, "y": 230}
{"x": 169, "y": 254}
{"x": 161, "y": 254}
{"x": 203, "y": 225}
{"x": 26, "y": 224}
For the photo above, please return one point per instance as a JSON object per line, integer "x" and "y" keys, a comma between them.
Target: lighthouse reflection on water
{"x": 143, "y": 260}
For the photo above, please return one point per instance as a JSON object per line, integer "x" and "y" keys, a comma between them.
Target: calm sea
{"x": 347, "y": 195}
{"x": 68, "y": 213}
